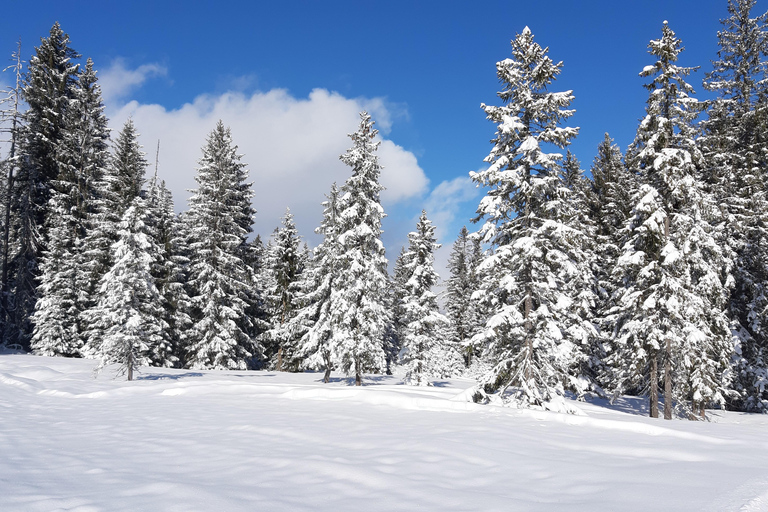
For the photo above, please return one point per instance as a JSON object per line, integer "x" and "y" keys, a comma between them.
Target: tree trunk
{"x": 703, "y": 412}
{"x": 654, "y": 384}
{"x": 668, "y": 382}
{"x": 279, "y": 359}
{"x": 327, "y": 376}
{"x": 529, "y": 334}
{"x": 358, "y": 376}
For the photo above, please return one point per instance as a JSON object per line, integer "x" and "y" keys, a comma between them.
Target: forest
{"x": 644, "y": 275}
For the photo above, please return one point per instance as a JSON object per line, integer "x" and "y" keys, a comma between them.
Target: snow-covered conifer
{"x": 130, "y": 308}
{"x": 315, "y": 316}
{"x": 463, "y": 313}
{"x": 64, "y": 292}
{"x": 421, "y": 349}
{"x": 360, "y": 316}
{"x": 218, "y": 222}
{"x": 168, "y": 270}
{"x": 672, "y": 307}
{"x": 610, "y": 206}
{"x": 735, "y": 147}
{"x": 535, "y": 254}
{"x": 49, "y": 89}
{"x": 285, "y": 264}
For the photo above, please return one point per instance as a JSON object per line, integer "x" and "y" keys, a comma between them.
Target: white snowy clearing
{"x": 179, "y": 440}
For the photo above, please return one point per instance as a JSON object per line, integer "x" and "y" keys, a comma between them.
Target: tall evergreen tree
{"x": 130, "y": 307}
{"x": 63, "y": 293}
{"x": 218, "y": 222}
{"x": 49, "y": 89}
{"x": 464, "y": 313}
{"x": 674, "y": 298}
{"x": 735, "y": 150}
{"x": 315, "y": 317}
{"x": 168, "y": 271}
{"x": 610, "y": 207}
{"x": 582, "y": 287}
{"x": 535, "y": 254}
{"x": 422, "y": 350}
{"x": 114, "y": 192}
{"x": 360, "y": 316}
{"x": 285, "y": 264}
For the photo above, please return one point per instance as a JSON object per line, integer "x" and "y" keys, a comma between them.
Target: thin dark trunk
{"x": 654, "y": 384}
{"x": 668, "y": 381}
{"x": 358, "y": 373}
{"x": 529, "y": 334}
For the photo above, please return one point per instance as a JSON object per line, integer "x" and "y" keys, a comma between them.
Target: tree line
{"x": 648, "y": 278}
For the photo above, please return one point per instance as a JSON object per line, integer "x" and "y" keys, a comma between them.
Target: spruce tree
{"x": 582, "y": 287}
{"x": 422, "y": 352}
{"x": 49, "y": 89}
{"x": 463, "y": 313}
{"x": 285, "y": 264}
{"x": 673, "y": 301}
{"x": 609, "y": 203}
{"x": 63, "y": 293}
{"x": 130, "y": 308}
{"x": 359, "y": 315}
{"x": 535, "y": 254}
{"x": 735, "y": 150}
{"x": 315, "y": 316}
{"x": 217, "y": 223}
{"x": 168, "y": 271}
{"x": 114, "y": 192}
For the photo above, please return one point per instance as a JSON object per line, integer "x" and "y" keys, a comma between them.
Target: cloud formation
{"x": 291, "y": 146}
{"x": 117, "y": 81}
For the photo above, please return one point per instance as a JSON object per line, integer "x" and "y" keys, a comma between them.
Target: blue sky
{"x": 290, "y": 76}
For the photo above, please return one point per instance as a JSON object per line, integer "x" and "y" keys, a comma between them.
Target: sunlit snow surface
{"x": 180, "y": 440}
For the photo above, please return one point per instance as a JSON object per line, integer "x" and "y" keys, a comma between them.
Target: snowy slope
{"x": 179, "y": 440}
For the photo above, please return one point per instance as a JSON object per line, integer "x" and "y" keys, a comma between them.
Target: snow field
{"x": 180, "y": 440}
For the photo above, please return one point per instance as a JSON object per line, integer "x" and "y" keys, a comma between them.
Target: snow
{"x": 181, "y": 440}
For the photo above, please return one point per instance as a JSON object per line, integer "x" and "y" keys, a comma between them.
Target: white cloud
{"x": 446, "y": 201}
{"x": 117, "y": 81}
{"x": 291, "y": 146}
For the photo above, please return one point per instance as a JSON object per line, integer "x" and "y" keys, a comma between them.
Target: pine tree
{"x": 359, "y": 316}
{"x": 534, "y": 253}
{"x": 218, "y": 222}
{"x": 49, "y": 89}
{"x": 168, "y": 273}
{"x": 130, "y": 308}
{"x": 114, "y": 192}
{"x": 610, "y": 207}
{"x": 582, "y": 287}
{"x": 285, "y": 264}
{"x": 463, "y": 312}
{"x": 673, "y": 301}
{"x": 735, "y": 151}
{"x": 129, "y": 166}
{"x": 396, "y": 297}
{"x": 315, "y": 316}
{"x": 63, "y": 294}
{"x": 421, "y": 350}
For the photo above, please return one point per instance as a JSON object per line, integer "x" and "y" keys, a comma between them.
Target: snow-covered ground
{"x": 179, "y": 440}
